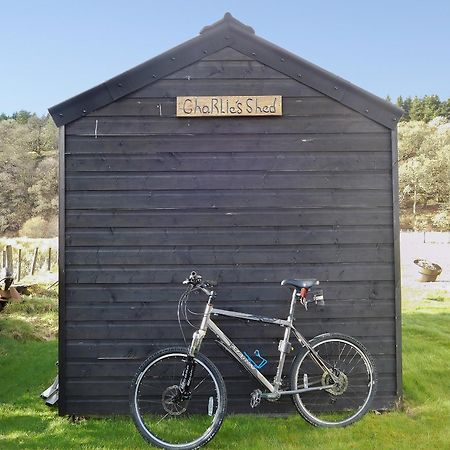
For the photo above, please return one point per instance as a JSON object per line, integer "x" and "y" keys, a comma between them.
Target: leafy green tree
{"x": 27, "y": 169}
{"x": 22, "y": 116}
{"x": 444, "y": 110}
{"x": 405, "y": 104}
{"x": 426, "y": 108}
{"x": 411, "y": 137}
{"x": 45, "y": 188}
{"x": 424, "y": 166}
{"x": 423, "y": 108}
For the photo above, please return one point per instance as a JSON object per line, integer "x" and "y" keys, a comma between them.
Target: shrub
{"x": 37, "y": 227}
{"x": 442, "y": 220}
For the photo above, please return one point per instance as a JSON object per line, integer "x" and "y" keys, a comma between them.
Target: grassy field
{"x": 28, "y": 351}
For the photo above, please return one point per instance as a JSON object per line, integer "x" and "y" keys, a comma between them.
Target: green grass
{"x": 31, "y": 318}
{"x": 27, "y": 368}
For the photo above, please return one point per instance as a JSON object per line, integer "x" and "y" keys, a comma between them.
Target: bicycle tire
{"x": 177, "y": 425}
{"x": 334, "y": 407}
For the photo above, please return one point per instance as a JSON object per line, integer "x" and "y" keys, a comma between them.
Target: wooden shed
{"x": 162, "y": 172}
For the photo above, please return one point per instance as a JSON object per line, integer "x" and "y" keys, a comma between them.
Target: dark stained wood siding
{"x": 247, "y": 201}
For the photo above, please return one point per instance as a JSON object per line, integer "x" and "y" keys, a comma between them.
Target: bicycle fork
{"x": 197, "y": 338}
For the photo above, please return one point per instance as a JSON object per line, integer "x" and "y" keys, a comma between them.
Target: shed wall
{"x": 247, "y": 201}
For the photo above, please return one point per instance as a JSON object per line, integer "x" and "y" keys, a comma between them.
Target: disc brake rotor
{"x": 172, "y": 401}
{"x": 339, "y": 387}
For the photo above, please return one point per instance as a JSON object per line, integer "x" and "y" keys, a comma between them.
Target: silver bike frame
{"x": 284, "y": 346}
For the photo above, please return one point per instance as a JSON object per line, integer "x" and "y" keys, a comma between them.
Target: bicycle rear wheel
{"x": 162, "y": 416}
{"x": 350, "y": 396}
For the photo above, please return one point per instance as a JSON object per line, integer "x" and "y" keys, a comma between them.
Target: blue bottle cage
{"x": 263, "y": 361}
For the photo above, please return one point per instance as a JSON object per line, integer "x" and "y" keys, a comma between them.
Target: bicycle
{"x": 178, "y": 396}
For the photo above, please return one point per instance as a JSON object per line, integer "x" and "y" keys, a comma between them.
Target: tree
{"x": 22, "y": 116}
{"x": 45, "y": 188}
{"x": 411, "y": 137}
{"x": 426, "y": 108}
{"x": 424, "y": 165}
{"x": 406, "y": 106}
{"x": 423, "y": 108}
{"x": 28, "y": 177}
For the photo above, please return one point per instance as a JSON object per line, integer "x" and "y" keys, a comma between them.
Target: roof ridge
{"x": 228, "y": 19}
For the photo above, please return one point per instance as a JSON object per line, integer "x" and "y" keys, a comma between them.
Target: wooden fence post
{"x": 9, "y": 259}
{"x": 33, "y": 264}
{"x": 3, "y": 258}
{"x": 49, "y": 261}
{"x": 19, "y": 265}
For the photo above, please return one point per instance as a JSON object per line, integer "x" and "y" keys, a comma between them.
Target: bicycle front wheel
{"x": 349, "y": 394}
{"x": 168, "y": 420}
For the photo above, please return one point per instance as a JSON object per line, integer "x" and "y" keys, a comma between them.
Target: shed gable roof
{"x": 227, "y": 32}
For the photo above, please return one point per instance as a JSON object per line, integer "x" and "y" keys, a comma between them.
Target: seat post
{"x": 292, "y": 307}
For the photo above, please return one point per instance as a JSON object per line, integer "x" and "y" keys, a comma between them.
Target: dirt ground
{"x": 434, "y": 247}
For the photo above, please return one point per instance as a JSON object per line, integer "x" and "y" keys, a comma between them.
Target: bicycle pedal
{"x": 255, "y": 398}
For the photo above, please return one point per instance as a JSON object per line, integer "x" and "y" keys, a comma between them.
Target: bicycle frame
{"x": 284, "y": 346}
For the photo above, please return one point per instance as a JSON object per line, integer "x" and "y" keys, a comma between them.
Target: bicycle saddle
{"x": 298, "y": 284}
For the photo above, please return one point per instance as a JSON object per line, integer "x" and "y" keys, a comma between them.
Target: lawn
{"x": 27, "y": 367}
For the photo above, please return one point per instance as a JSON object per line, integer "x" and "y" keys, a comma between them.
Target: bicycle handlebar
{"x": 193, "y": 279}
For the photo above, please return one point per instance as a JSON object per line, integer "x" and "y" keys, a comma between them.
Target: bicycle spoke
{"x": 349, "y": 388}
{"x": 168, "y": 418}
{"x": 162, "y": 418}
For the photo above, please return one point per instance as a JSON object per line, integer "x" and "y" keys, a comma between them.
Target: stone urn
{"x": 428, "y": 271}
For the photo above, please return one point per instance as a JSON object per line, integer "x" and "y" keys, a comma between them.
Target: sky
{"x": 53, "y": 50}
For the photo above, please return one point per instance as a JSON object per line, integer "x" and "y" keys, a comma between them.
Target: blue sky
{"x": 53, "y": 50}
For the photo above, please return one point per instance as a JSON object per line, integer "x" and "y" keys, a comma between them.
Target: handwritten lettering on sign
{"x": 226, "y": 106}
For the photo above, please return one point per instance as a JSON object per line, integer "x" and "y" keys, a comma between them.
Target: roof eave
{"x": 146, "y": 73}
{"x": 319, "y": 79}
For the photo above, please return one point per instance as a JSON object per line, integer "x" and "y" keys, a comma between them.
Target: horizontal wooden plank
{"x": 241, "y": 274}
{"x": 264, "y": 198}
{"x": 214, "y": 143}
{"x": 162, "y": 332}
{"x": 237, "y": 382}
{"x": 166, "y": 330}
{"x": 306, "y": 254}
{"x": 225, "y": 162}
{"x": 120, "y": 388}
{"x": 104, "y": 126}
{"x": 228, "y": 217}
{"x": 166, "y": 107}
{"x": 93, "y": 406}
{"x": 174, "y": 88}
{"x": 140, "y": 349}
{"x": 227, "y": 292}
{"x": 223, "y": 70}
{"x": 129, "y": 181}
{"x": 153, "y": 311}
{"x": 236, "y": 385}
{"x": 226, "y": 236}
{"x": 227, "y": 54}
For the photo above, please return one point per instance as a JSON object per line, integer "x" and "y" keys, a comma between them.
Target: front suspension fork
{"x": 197, "y": 339}
{"x": 187, "y": 377}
